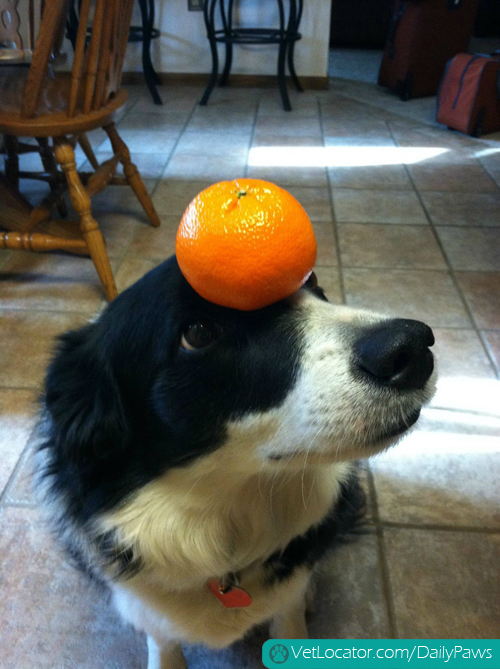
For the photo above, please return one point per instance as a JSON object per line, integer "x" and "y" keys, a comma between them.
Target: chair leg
{"x": 132, "y": 174}
{"x": 80, "y": 200}
{"x": 50, "y": 166}
{"x": 87, "y": 149}
{"x": 11, "y": 144}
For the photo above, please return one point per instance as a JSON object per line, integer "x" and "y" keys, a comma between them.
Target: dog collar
{"x": 228, "y": 591}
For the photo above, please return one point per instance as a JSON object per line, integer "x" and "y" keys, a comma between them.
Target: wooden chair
{"x": 42, "y": 103}
{"x": 18, "y": 37}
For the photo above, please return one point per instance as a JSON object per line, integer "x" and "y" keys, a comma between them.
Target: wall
{"x": 183, "y": 45}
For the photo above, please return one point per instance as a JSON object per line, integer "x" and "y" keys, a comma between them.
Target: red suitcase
{"x": 423, "y": 36}
{"x": 469, "y": 96}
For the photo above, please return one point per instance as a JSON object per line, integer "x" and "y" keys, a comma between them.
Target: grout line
{"x": 424, "y": 226}
{"x": 118, "y": 266}
{"x": 24, "y": 388}
{"x": 462, "y": 271}
{"x": 165, "y": 166}
{"x": 470, "y": 412}
{"x": 19, "y": 464}
{"x": 158, "y": 181}
{"x": 371, "y": 268}
{"x": 380, "y": 189}
{"x": 451, "y": 270}
{"x": 398, "y": 268}
{"x": 383, "y": 565}
{"x": 408, "y": 269}
{"x": 395, "y": 111}
{"x": 482, "y": 334}
{"x": 33, "y": 311}
{"x": 479, "y": 160}
{"x": 19, "y": 505}
{"x": 332, "y": 211}
{"x": 432, "y": 527}
{"x": 129, "y": 109}
{"x": 252, "y": 135}
{"x": 174, "y": 147}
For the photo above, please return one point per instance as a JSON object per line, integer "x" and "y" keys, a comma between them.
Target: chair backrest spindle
{"x": 98, "y": 59}
{"x": 53, "y": 13}
{"x": 123, "y": 28}
{"x": 94, "y": 49}
{"x": 77, "y": 71}
{"x": 110, "y": 16}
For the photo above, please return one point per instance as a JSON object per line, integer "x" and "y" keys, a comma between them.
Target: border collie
{"x": 187, "y": 444}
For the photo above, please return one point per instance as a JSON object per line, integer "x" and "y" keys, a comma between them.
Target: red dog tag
{"x": 232, "y": 597}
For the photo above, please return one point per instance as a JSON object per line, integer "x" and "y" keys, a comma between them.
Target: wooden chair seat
{"x": 51, "y": 113}
{"x": 54, "y": 97}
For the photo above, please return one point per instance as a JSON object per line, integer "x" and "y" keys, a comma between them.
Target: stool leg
{"x": 158, "y": 81}
{"x": 293, "y": 27}
{"x": 281, "y": 77}
{"x": 291, "y": 67}
{"x": 208, "y": 13}
{"x": 87, "y": 149}
{"x": 227, "y": 65}
{"x": 147, "y": 66}
{"x": 282, "y": 59}
{"x": 228, "y": 27}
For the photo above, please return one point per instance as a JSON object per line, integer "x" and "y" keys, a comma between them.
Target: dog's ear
{"x": 84, "y": 400}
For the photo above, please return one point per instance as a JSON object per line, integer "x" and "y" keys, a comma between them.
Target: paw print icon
{"x": 279, "y": 653}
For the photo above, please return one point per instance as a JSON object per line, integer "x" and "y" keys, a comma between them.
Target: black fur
{"x": 310, "y": 547}
{"x": 124, "y": 402}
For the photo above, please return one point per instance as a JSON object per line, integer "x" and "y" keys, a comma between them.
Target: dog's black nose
{"x": 395, "y": 353}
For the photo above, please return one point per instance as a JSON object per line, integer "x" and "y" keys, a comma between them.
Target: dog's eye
{"x": 200, "y": 334}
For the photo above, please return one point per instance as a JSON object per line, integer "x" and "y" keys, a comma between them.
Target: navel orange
{"x": 245, "y": 244}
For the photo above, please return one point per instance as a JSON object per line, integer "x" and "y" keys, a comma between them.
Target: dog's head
{"x": 164, "y": 377}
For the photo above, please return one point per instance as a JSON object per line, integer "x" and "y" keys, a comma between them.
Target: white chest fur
{"x": 205, "y": 520}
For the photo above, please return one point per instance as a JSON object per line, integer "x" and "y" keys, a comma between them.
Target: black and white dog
{"x": 187, "y": 444}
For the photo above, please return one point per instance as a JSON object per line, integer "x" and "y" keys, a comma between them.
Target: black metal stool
{"x": 286, "y": 36}
{"x": 144, "y": 34}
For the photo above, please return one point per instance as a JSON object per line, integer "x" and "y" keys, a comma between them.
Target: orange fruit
{"x": 245, "y": 244}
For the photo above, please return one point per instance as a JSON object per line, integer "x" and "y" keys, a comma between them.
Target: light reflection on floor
{"x": 340, "y": 156}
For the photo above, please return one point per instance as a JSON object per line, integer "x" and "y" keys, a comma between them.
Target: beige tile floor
{"x": 419, "y": 240}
